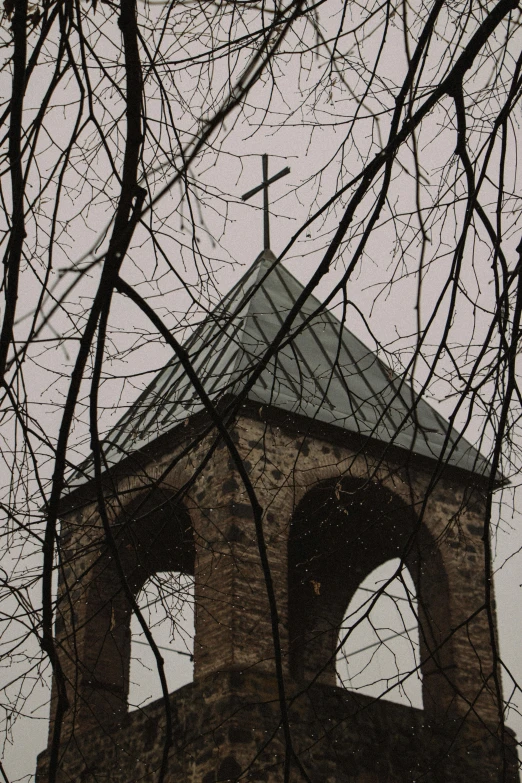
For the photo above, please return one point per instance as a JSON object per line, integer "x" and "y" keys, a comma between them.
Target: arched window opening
{"x": 380, "y": 656}
{"x": 167, "y": 603}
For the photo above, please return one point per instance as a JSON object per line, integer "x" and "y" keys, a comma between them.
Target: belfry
{"x": 278, "y": 484}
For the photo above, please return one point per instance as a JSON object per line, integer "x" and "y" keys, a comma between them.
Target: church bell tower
{"x": 278, "y": 494}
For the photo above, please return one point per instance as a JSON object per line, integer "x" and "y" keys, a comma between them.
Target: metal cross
{"x": 264, "y": 187}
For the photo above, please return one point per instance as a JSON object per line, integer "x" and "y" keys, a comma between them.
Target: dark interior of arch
{"x": 154, "y": 533}
{"x": 340, "y": 532}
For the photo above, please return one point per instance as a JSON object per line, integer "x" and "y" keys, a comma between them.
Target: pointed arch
{"x": 378, "y": 646}
{"x": 166, "y": 601}
{"x": 152, "y": 534}
{"x": 340, "y": 533}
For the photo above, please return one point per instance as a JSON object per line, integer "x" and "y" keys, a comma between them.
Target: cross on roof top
{"x": 264, "y": 187}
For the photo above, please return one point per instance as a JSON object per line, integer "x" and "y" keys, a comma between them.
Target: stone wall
{"x": 227, "y": 727}
{"x": 333, "y": 508}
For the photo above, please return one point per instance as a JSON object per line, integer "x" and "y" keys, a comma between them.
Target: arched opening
{"x": 342, "y": 532}
{"x": 166, "y": 602}
{"x": 153, "y": 537}
{"x": 379, "y": 653}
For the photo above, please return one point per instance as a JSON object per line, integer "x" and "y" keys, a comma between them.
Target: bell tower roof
{"x": 324, "y": 373}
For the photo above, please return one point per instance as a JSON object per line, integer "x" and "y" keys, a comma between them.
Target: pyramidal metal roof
{"x": 324, "y": 373}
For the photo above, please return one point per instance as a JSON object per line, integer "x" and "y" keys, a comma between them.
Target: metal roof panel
{"x": 324, "y": 373}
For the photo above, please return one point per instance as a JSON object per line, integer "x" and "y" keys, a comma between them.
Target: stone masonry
{"x": 334, "y": 508}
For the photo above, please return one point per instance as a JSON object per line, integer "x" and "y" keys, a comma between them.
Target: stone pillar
{"x": 92, "y": 633}
{"x": 233, "y": 620}
{"x": 469, "y": 668}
